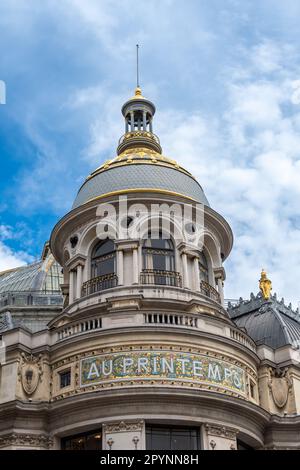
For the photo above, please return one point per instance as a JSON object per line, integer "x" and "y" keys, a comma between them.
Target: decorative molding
{"x": 124, "y": 426}
{"x": 221, "y": 431}
{"x": 28, "y": 440}
{"x": 280, "y": 385}
{"x": 30, "y": 372}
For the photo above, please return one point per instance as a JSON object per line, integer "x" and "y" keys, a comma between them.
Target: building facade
{"x": 134, "y": 346}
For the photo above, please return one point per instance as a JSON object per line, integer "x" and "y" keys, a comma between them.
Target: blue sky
{"x": 225, "y": 77}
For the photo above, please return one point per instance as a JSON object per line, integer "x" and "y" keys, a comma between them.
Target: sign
{"x": 162, "y": 365}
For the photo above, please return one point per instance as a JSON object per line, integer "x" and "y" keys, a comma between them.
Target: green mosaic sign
{"x": 162, "y": 365}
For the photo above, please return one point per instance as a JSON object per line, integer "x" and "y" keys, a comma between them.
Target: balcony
{"x": 209, "y": 291}
{"x": 162, "y": 278}
{"x": 99, "y": 283}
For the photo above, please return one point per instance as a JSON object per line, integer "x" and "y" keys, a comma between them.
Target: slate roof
{"x": 268, "y": 322}
{"x": 144, "y": 175}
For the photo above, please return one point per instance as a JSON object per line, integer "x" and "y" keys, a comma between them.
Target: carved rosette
{"x": 280, "y": 385}
{"x": 30, "y": 372}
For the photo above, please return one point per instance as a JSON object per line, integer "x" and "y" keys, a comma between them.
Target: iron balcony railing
{"x": 163, "y": 278}
{"x": 99, "y": 283}
{"x": 209, "y": 291}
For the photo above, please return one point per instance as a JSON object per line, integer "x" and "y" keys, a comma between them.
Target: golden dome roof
{"x": 136, "y": 156}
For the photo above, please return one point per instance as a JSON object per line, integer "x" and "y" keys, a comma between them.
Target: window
{"x": 203, "y": 268}
{"x": 104, "y": 258}
{"x": 172, "y": 438}
{"x": 65, "y": 378}
{"x": 85, "y": 441}
{"x": 158, "y": 254}
{"x": 252, "y": 389}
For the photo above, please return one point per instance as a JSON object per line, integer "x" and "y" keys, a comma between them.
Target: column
{"x": 185, "y": 270}
{"x": 135, "y": 266}
{"x": 132, "y": 120}
{"x": 151, "y": 128}
{"x": 120, "y": 267}
{"x": 144, "y": 121}
{"x": 71, "y": 287}
{"x": 126, "y": 125}
{"x": 79, "y": 281}
{"x": 196, "y": 274}
{"x": 220, "y": 289}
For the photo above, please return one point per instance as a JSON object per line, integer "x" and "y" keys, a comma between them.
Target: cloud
{"x": 10, "y": 259}
{"x": 227, "y": 95}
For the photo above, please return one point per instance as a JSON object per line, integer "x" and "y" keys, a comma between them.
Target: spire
{"x": 138, "y": 112}
{"x": 265, "y": 285}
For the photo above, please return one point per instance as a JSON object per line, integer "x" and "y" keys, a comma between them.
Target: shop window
{"x": 172, "y": 438}
{"x": 84, "y": 441}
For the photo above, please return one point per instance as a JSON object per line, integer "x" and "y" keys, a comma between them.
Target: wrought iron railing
{"x": 209, "y": 291}
{"x": 162, "y": 278}
{"x": 99, "y": 283}
{"x": 31, "y": 298}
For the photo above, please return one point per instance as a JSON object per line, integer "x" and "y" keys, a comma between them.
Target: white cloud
{"x": 10, "y": 259}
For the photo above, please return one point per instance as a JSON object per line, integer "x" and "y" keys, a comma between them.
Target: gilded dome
{"x": 140, "y": 165}
{"x": 140, "y": 169}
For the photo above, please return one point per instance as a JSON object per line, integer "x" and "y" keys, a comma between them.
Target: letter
{"x": 93, "y": 371}
{"x": 197, "y": 367}
{"x": 107, "y": 226}
{"x": 110, "y": 368}
{"x": 166, "y": 365}
{"x": 214, "y": 372}
{"x": 183, "y": 362}
{"x": 227, "y": 373}
{"x": 155, "y": 364}
{"x": 142, "y": 364}
{"x": 236, "y": 380}
{"x": 130, "y": 461}
{"x": 127, "y": 362}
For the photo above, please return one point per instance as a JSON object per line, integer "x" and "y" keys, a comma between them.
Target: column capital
{"x": 220, "y": 273}
{"x": 78, "y": 259}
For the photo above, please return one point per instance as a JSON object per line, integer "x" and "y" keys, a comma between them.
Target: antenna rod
{"x": 137, "y": 66}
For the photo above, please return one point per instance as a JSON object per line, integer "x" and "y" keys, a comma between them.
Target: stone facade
{"x": 139, "y": 350}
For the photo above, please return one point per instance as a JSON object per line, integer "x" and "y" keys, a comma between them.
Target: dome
{"x": 139, "y": 165}
{"x": 268, "y": 322}
{"x": 43, "y": 276}
{"x": 140, "y": 169}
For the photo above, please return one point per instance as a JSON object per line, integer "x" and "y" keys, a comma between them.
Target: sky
{"x": 225, "y": 78}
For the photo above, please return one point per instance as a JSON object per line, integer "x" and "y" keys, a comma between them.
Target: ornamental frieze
{"x": 26, "y": 440}
{"x": 167, "y": 366}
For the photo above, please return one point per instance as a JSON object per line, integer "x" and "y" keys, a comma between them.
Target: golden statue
{"x": 265, "y": 285}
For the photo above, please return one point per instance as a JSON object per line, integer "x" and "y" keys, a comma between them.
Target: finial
{"x": 265, "y": 285}
{"x": 138, "y": 92}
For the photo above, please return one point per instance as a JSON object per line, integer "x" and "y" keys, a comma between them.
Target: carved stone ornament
{"x": 124, "y": 426}
{"x": 30, "y": 372}
{"x": 22, "y": 439}
{"x": 221, "y": 431}
{"x": 280, "y": 385}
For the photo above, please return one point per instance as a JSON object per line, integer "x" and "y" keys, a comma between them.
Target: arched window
{"x": 203, "y": 268}
{"x": 158, "y": 254}
{"x": 103, "y": 260}
{"x": 103, "y": 268}
{"x": 159, "y": 263}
